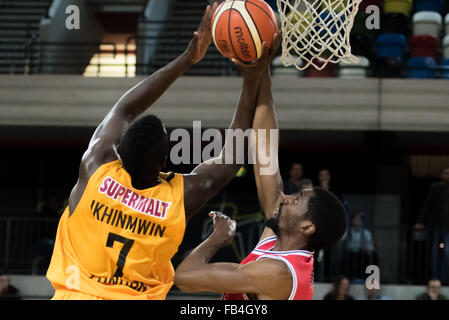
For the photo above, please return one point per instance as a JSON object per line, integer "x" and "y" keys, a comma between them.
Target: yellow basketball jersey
{"x": 118, "y": 242}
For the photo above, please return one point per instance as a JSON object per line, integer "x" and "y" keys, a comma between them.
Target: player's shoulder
{"x": 272, "y": 278}
{"x": 265, "y": 266}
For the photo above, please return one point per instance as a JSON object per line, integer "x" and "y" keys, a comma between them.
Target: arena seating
{"x": 278, "y": 69}
{"x": 327, "y": 72}
{"x": 19, "y": 22}
{"x": 424, "y": 46}
{"x": 366, "y": 3}
{"x": 445, "y": 72}
{"x": 421, "y": 67}
{"x": 395, "y": 22}
{"x": 427, "y": 23}
{"x": 398, "y": 6}
{"x": 354, "y": 71}
{"x": 423, "y": 24}
{"x": 177, "y": 33}
{"x": 391, "y": 45}
{"x": 429, "y": 5}
{"x": 446, "y": 47}
{"x": 446, "y": 23}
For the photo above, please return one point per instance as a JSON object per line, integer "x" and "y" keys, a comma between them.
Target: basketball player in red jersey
{"x": 281, "y": 265}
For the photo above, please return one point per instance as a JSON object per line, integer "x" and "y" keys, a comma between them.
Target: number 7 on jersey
{"x": 127, "y": 244}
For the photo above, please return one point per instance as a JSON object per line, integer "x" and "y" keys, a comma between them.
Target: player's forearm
{"x": 266, "y": 171}
{"x": 199, "y": 256}
{"x": 265, "y": 116}
{"x": 242, "y": 119}
{"x": 138, "y": 99}
{"x": 244, "y": 113}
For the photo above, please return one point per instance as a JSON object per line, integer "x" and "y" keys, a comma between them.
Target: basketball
{"x": 240, "y": 27}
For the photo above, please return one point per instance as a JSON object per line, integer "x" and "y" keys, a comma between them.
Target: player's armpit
{"x": 204, "y": 183}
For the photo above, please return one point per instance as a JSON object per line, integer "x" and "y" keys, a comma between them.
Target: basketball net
{"x": 316, "y": 32}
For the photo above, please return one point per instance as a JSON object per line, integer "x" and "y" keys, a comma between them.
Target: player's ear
{"x": 307, "y": 228}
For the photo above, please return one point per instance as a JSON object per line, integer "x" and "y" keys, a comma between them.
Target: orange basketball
{"x": 240, "y": 27}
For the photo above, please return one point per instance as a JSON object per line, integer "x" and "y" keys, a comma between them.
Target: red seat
{"x": 327, "y": 72}
{"x": 424, "y": 46}
{"x": 366, "y": 3}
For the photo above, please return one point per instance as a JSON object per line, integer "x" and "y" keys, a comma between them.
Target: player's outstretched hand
{"x": 224, "y": 228}
{"x": 202, "y": 37}
{"x": 255, "y": 70}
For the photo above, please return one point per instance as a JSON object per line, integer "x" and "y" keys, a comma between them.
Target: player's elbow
{"x": 181, "y": 281}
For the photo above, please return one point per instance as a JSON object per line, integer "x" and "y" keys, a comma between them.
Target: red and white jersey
{"x": 299, "y": 262}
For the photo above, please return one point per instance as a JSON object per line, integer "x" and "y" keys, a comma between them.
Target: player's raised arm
{"x": 207, "y": 179}
{"x": 139, "y": 98}
{"x": 103, "y": 144}
{"x": 266, "y": 173}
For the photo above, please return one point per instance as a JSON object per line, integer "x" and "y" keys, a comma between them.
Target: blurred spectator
{"x": 435, "y": 216}
{"x": 433, "y": 291}
{"x": 46, "y": 233}
{"x": 359, "y": 251}
{"x": 324, "y": 178}
{"x": 305, "y": 184}
{"x": 51, "y": 207}
{"x": 293, "y": 184}
{"x": 7, "y": 291}
{"x": 375, "y": 292}
{"x": 340, "y": 290}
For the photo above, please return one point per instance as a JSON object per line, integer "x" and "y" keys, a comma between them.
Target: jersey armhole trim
{"x": 290, "y": 268}
{"x": 264, "y": 241}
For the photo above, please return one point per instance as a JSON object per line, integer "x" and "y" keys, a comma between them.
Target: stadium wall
{"x": 306, "y": 104}
{"x": 53, "y": 30}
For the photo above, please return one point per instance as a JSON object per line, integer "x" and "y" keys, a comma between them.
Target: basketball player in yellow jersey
{"x": 125, "y": 219}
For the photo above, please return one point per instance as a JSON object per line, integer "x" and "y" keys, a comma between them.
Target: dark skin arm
{"x": 210, "y": 177}
{"x": 269, "y": 184}
{"x": 196, "y": 274}
{"x": 103, "y": 144}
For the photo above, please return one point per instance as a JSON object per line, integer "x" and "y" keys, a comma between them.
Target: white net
{"x": 316, "y": 32}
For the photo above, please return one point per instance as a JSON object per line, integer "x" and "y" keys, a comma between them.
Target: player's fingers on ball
{"x": 277, "y": 40}
{"x": 265, "y": 50}
{"x": 238, "y": 63}
{"x": 215, "y": 6}
{"x": 206, "y": 16}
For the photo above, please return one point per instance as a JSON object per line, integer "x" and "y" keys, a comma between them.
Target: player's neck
{"x": 145, "y": 184}
{"x": 288, "y": 243}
